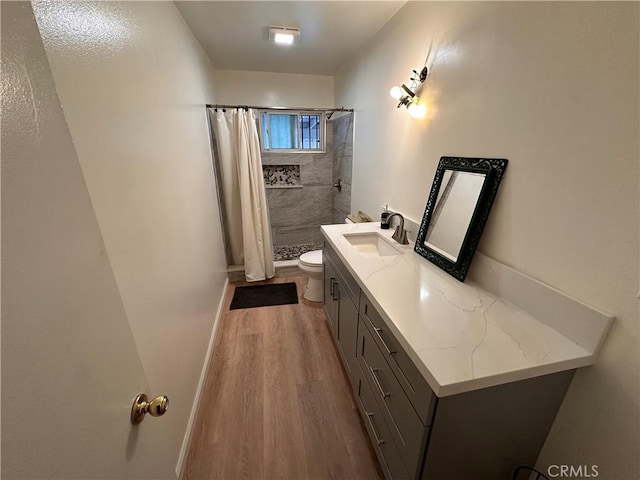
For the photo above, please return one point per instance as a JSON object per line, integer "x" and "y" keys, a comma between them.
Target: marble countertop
{"x": 460, "y": 336}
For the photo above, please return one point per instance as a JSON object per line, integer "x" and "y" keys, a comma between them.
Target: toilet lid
{"x": 312, "y": 259}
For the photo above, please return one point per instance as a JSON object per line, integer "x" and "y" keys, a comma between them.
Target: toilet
{"x": 311, "y": 264}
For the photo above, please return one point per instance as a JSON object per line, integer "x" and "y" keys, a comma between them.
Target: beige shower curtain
{"x": 243, "y": 191}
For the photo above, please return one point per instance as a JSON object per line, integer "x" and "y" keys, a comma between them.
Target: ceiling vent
{"x": 283, "y": 35}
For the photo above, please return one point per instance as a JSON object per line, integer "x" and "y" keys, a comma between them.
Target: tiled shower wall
{"x": 297, "y": 213}
{"x": 342, "y": 167}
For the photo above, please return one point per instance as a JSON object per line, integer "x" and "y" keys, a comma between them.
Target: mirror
{"x": 457, "y": 199}
{"x": 461, "y": 196}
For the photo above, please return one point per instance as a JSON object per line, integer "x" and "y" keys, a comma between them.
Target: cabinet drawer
{"x": 379, "y": 434}
{"x": 413, "y": 383}
{"x": 351, "y": 286}
{"x": 405, "y": 426}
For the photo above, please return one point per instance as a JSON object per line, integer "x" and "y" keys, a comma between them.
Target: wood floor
{"x": 276, "y": 402}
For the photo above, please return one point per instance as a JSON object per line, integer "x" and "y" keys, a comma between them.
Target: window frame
{"x": 299, "y": 114}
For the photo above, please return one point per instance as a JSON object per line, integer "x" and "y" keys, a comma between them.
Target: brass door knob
{"x": 156, "y": 407}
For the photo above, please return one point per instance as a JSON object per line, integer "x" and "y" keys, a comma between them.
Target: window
{"x": 292, "y": 131}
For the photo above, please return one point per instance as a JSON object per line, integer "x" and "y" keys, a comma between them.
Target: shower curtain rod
{"x": 342, "y": 109}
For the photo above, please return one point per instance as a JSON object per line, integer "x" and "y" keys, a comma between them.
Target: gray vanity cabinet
{"x": 340, "y": 303}
{"x": 480, "y": 434}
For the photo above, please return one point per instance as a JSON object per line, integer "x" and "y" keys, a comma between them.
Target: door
{"x": 70, "y": 368}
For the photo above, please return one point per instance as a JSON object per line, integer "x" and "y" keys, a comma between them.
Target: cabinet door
{"x": 329, "y": 295}
{"x": 348, "y": 334}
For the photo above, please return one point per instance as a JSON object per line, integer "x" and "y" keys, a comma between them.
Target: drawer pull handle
{"x": 334, "y": 289}
{"x": 374, "y": 374}
{"x": 379, "y": 441}
{"x": 386, "y": 347}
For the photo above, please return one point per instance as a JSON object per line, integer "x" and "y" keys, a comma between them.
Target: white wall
{"x": 553, "y": 87}
{"x": 269, "y": 89}
{"x": 133, "y": 82}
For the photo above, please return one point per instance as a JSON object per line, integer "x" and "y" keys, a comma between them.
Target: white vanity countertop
{"x": 460, "y": 337}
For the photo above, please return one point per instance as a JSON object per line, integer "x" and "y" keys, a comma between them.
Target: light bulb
{"x": 416, "y": 110}
{"x": 283, "y": 38}
{"x": 396, "y": 92}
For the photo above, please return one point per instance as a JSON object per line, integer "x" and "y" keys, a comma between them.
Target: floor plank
{"x": 276, "y": 402}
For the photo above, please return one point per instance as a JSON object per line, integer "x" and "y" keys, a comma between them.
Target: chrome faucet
{"x": 400, "y": 235}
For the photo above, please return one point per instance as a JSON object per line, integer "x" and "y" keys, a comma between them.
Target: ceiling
{"x": 235, "y": 33}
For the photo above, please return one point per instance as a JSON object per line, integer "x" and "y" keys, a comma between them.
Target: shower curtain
{"x": 243, "y": 192}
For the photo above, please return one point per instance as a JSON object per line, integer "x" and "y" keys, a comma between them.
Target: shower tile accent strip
{"x": 281, "y": 176}
{"x": 292, "y": 252}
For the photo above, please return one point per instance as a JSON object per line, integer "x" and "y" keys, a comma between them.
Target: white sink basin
{"x": 371, "y": 244}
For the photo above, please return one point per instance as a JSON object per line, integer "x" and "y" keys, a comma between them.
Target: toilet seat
{"x": 311, "y": 259}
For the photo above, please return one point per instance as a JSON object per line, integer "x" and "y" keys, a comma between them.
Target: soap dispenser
{"x": 384, "y": 222}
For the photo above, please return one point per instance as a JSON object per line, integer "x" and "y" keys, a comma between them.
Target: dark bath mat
{"x": 264, "y": 295}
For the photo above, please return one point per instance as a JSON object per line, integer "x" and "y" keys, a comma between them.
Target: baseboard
{"x": 186, "y": 442}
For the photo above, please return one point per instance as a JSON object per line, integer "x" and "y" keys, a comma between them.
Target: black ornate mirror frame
{"x": 494, "y": 170}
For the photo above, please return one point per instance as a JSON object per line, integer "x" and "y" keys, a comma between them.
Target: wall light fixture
{"x": 406, "y": 95}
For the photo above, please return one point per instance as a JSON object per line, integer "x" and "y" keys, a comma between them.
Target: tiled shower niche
{"x": 281, "y": 176}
